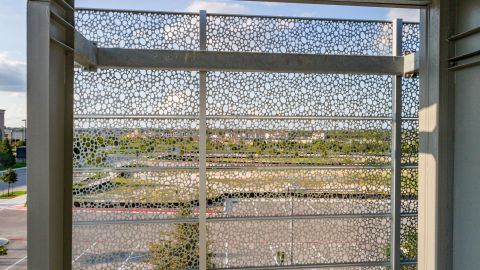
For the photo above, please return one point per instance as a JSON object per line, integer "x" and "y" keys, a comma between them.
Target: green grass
{"x": 16, "y": 166}
{"x": 148, "y": 191}
{"x": 19, "y": 165}
{"x": 12, "y": 194}
{"x": 78, "y": 185}
{"x": 362, "y": 182}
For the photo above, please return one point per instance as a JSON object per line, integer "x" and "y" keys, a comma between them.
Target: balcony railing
{"x": 236, "y": 142}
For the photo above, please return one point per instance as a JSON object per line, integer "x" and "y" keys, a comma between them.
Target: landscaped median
{"x": 12, "y": 194}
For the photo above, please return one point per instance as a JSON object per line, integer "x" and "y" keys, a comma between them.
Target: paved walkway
{"x": 16, "y": 202}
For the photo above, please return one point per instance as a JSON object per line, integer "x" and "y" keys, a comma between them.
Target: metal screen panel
{"x": 297, "y": 35}
{"x": 410, "y": 147}
{"x": 299, "y": 145}
{"x": 139, "y": 30}
{"x": 298, "y": 166}
{"x": 134, "y": 173}
{"x": 298, "y": 242}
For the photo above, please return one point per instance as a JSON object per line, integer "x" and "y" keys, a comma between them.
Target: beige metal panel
{"x": 436, "y": 141}
{"x": 49, "y": 103}
{"x": 37, "y": 69}
{"x": 466, "y": 217}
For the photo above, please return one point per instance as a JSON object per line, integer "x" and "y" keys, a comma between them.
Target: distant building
{"x": 14, "y": 134}
{"x": 2, "y": 124}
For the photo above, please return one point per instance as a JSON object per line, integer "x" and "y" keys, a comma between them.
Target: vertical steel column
{"x": 50, "y": 41}
{"x": 203, "y": 148}
{"x": 436, "y": 126}
{"x": 396, "y": 150}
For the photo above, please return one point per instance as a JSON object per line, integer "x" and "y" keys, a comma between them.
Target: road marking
{"x": 139, "y": 256}
{"x": 226, "y": 253}
{"x": 255, "y": 208}
{"x": 319, "y": 254}
{"x": 19, "y": 261}
{"x": 274, "y": 255}
{"x": 311, "y": 207}
{"x": 81, "y": 254}
{"x": 128, "y": 258}
{"x": 316, "y": 251}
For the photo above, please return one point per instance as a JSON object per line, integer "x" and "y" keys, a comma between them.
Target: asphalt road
{"x": 21, "y": 183}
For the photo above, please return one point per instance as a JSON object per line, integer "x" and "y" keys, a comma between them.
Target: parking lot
{"x": 101, "y": 243}
{"x": 13, "y": 226}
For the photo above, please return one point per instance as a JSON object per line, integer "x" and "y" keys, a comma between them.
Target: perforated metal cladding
{"x": 139, "y": 30}
{"x": 298, "y": 165}
{"x": 410, "y": 37}
{"x": 122, "y": 246}
{"x": 290, "y": 35}
{"x": 290, "y": 94}
{"x": 410, "y": 86}
{"x": 410, "y": 148}
{"x": 132, "y": 169}
{"x": 136, "y": 92}
{"x": 301, "y": 242}
{"x": 284, "y": 161}
{"x": 300, "y": 192}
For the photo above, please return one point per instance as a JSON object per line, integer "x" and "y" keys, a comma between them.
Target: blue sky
{"x": 13, "y": 32}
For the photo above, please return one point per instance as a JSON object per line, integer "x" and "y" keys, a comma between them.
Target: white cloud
{"x": 12, "y": 74}
{"x": 213, "y": 6}
{"x": 409, "y": 15}
{"x": 272, "y": 4}
{"x": 16, "y": 108}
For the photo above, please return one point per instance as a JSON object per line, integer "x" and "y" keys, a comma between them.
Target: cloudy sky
{"x": 13, "y": 32}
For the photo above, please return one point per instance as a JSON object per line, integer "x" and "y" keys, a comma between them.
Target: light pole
{"x": 24, "y": 130}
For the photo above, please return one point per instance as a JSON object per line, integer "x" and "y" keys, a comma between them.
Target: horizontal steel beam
{"x": 248, "y": 62}
{"x": 88, "y": 55}
{"x": 376, "y": 3}
{"x": 319, "y": 266}
{"x": 464, "y": 34}
{"x": 240, "y": 168}
{"x": 231, "y": 219}
{"x": 229, "y": 117}
{"x": 411, "y": 64}
{"x": 85, "y": 51}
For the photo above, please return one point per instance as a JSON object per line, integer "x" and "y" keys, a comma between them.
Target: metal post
{"x": 396, "y": 150}
{"x": 436, "y": 125}
{"x": 24, "y": 129}
{"x": 203, "y": 149}
{"x": 291, "y": 225}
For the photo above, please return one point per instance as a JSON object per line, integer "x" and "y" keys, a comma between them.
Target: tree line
{"x": 7, "y": 161}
